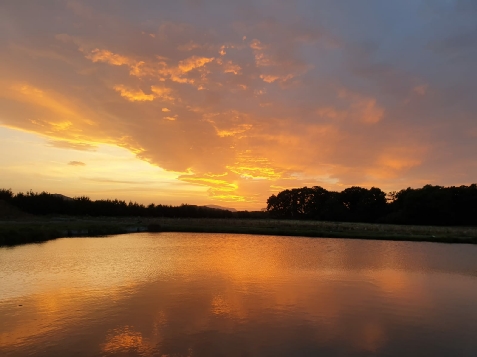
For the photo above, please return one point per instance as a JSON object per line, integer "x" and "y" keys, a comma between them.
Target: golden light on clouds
{"x": 271, "y": 101}
{"x": 133, "y": 95}
{"x": 98, "y": 55}
{"x": 163, "y": 93}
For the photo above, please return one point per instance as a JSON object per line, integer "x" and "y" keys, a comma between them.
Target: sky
{"x": 229, "y": 102}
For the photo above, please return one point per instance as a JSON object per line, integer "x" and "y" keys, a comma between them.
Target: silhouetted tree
{"x": 434, "y": 205}
{"x": 6, "y": 195}
{"x": 363, "y": 205}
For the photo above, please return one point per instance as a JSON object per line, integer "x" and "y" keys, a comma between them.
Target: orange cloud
{"x": 262, "y": 59}
{"x": 193, "y": 98}
{"x": 193, "y": 62}
{"x": 229, "y": 124}
{"x": 363, "y": 108}
{"x": 219, "y": 189}
{"x": 106, "y": 56}
{"x": 230, "y": 67}
{"x": 163, "y": 93}
{"x": 62, "y": 144}
{"x": 272, "y": 78}
{"x": 133, "y": 95}
{"x": 160, "y": 68}
{"x": 248, "y": 165}
{"x": 394, "y": 161}
{"x": 221, "y": 185}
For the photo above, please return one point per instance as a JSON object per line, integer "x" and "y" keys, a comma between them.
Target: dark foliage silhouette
{"x": 6, "y": 195}
{"x": 45, "y": 203}
{"x": 431, "y": 205}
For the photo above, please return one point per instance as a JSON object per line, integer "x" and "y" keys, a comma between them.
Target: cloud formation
{"x": 76, "y": 163}
{"x": 246, "y": 99}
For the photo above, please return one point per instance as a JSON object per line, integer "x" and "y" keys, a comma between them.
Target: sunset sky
{"x": 228, "y": 102}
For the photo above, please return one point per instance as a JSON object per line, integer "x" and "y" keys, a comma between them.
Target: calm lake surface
{"x": 183, "y": 294}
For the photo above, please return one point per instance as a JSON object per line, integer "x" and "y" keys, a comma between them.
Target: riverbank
{"x": 39, "y": 229}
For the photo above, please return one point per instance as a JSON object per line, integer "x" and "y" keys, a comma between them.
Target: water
{"x": 182, "y": 294}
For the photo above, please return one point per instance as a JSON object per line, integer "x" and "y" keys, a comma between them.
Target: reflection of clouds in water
{"x": 126, "y": 340}
{"x": 86, "y": 265}
{"x": 220, "y": 306}
{"x": 348, "y": 311}
{"x": 198, "y": 294}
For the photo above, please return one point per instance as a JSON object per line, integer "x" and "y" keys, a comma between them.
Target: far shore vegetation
{"x": 430, "y": 213}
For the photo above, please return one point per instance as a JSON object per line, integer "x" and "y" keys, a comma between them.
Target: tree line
{"x": 429, "y": 205}
{"x": 45, "y": 203}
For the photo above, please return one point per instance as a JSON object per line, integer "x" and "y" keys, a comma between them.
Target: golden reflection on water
{"x": 197, "y": 294}
{"x": 126, "y": 340}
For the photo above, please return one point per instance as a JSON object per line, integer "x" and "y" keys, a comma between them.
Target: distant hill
{"x": 222, "y": 208}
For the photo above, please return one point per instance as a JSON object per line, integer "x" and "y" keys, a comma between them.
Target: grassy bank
{"x": 42, "y": 229}
{"x": 15, "y": 233}
{"x": 323, "y": 229}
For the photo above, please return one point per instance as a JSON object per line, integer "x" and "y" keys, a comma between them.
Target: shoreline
{"x": 18, "y": 232}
